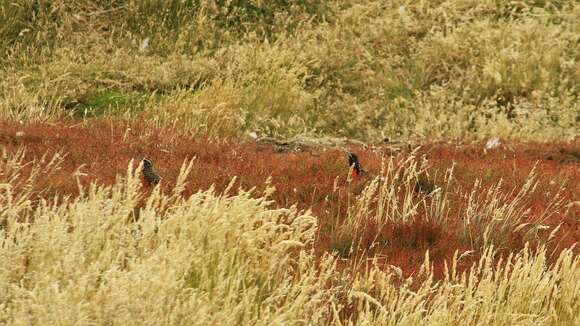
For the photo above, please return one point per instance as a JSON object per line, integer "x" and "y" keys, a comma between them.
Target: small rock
{"x": 144, "y": 44}
{"x": 492, "y": 143}
{"x": 20, "y": 134}
{"x": 253, "y": 135}
{"x": 402, "y": 10}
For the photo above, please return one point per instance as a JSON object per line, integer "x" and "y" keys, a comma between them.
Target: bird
{"x": 150, "y": 177}
{"x": 354, "y": 164}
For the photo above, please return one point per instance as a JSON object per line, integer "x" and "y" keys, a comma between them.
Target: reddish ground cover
{"x": 103, "y": 149}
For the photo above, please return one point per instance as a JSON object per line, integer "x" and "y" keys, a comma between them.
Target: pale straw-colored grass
{"x": 394, "y": 196}
{"x": 216, "y": 259}
{"x": 358, "y": 69}
{"x": 493, "y": 215}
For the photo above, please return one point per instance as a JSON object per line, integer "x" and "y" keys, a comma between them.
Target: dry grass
{"x": 408, "y": 202}
{"x": 362, "y": 69}
{"x": 274, "y": 231}
{"x": 235, "y": 259}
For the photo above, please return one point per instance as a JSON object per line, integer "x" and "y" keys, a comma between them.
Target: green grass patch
{"x": 106, "y": 101}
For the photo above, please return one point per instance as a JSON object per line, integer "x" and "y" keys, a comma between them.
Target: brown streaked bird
{"x": 150, "y": 177}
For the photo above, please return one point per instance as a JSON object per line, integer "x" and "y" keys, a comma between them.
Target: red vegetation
{"x": 102, "y": 150}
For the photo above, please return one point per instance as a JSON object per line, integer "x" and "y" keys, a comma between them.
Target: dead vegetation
{"x": 247, "y": 110}
{"x": 375, "y": 250}
{"x": 366, "y": 70}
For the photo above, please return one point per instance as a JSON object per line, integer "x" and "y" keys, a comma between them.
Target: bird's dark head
{"x": 147, "y": 164}
{"x": 352, "y": 159}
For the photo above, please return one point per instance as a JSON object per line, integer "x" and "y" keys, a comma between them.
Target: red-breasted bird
{"x": 355, "y": 165}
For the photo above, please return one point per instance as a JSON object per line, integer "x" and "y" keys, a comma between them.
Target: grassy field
{"x": 359, "y": 69}
{"x": 247, "y": 109}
